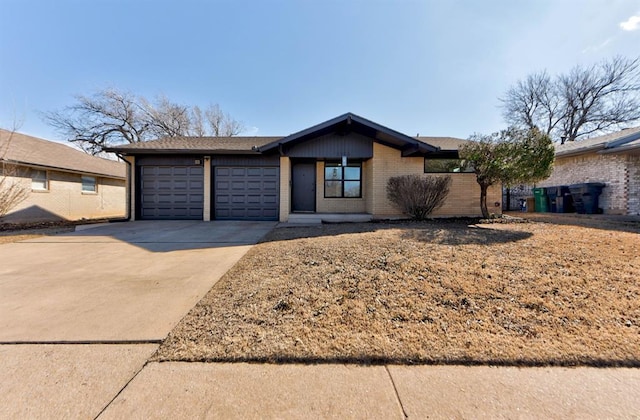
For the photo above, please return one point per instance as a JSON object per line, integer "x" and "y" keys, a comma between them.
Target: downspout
{"x": 128, "y": 189}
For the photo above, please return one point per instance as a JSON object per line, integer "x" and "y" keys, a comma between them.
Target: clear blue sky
{"x": 428, "y": 67}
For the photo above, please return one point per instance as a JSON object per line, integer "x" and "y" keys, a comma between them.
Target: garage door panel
{"x": 246, "y": 193}
{"x": 171, "y": 192}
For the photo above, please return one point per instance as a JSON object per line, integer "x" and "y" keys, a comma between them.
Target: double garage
{"x": 240, "y": 188}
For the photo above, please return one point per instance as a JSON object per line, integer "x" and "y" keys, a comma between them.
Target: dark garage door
{"x": 246, "y": 193}
{"x": 171, "y": 192}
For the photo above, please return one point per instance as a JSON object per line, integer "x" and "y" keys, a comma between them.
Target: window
{"x": 88, "y": 184}
{"x": 39, "y": 180}
{"x": 342, "y": 181}
{"x": 445, "y": 165}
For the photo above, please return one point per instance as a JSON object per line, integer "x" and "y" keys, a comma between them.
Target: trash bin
{"x": 552, "y": 195}
{"x": 531, "y": 204}
{"x": 564, "y": 202}
{"x": 542, "y": 203}
{"x": 585, "y": 197}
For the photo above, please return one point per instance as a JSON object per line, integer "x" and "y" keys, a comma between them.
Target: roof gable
{"x": 351, "y": 123}
{"x": 28, "y": 150}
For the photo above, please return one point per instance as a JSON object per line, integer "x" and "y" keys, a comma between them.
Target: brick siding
{"x": 616, "y": 171}
{"x": 64, "y": 199}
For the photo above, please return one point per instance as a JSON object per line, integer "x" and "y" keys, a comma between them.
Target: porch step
{"x": 317, "y": 218}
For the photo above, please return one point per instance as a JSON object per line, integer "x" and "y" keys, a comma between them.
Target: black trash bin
{"x": 564, "y": 202}
{"x": 552, "y": 195}
{"x": 585, "y": 197}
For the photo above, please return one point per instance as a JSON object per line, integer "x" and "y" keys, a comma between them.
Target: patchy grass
{"x": 433, "y": 292}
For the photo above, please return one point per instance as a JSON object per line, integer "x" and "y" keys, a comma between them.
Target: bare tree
{"x": 585, "y": 101}
{"x": 222, "y": 124}
{"x": 110, "y": 117}
{"x": 12, "y": 191}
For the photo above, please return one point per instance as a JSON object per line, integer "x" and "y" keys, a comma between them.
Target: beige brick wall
{"x": 285, "y": 188}
{"x": 611, "y": 169}
{"x": 463, "y": 198}
{"x": 64, "y": 199}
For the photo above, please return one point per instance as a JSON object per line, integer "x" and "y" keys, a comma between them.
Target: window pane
{"x": 332, "y": 172}
{"x": 88, "y": 184}
{"x": 443, "y": 165}
{"x": 352, "y": 173}
{"x": 333, "y": 189}
{"x": 38, "y": 179}
{"x": 352, "y": 188}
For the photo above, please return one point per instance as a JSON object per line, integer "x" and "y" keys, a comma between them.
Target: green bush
{"x": 418, "y": 196}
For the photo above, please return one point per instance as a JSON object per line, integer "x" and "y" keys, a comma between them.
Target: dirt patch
{"x": 433, "y": 292}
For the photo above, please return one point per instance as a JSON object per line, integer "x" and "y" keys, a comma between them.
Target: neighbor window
{"x": 39, "y": 180}
{"x": 342, "y": 181}
{"x": 88, "y": 183}
{"x": 445, "y": 165}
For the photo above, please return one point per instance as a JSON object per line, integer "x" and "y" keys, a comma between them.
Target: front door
{"x": 303, "y": 188}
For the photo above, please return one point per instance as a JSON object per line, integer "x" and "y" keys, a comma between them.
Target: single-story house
{"x": 340, "y": 166}
{"x": 61, "y": 183}
{"x": 612, "y": 159}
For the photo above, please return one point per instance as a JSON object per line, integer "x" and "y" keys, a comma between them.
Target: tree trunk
{"x": 483, "y": 200}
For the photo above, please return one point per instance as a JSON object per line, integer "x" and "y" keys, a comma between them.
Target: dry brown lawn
{"x": 433, "y": 292}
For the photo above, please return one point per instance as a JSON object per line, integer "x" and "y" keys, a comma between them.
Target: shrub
{"x": 418, "y": 196}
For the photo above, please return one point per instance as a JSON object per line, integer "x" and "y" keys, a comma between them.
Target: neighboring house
{"x": 339, "y": 166}
{"x": 613, "y": 159}
{"x": 62, "y": 183}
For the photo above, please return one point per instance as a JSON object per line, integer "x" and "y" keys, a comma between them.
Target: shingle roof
{"x": 444, "y": 143}
{"x": 239, "y": 144}
{"x": 195, "y": 144}
{"x": 607, "y": 141}
{"x": 21, "y": 148}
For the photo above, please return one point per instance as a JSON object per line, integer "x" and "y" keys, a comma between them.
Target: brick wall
{"x": 464, "y": 193}
{"x": 285, "y": 188}
{"x": 611, "y": 169}
{"x": 64, "y": 199}
{"x": 633, "y": 186}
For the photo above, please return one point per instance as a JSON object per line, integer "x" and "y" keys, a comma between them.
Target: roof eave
{"x": 63, "y": 169}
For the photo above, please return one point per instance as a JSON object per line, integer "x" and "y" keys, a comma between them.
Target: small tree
{"x": 418, "y": 196}
{"x": 12, "y": 191}
{"x": 511, "y": 157}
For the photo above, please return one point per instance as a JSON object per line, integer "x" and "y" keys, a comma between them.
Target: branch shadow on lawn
{"x": 458, "y": 231}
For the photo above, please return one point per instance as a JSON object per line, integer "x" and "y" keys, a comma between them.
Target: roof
{"x": 444, "y": 143}
{"x": 195, "y": 145}
{"x": 25, "y": 149}
{"x": 608, "y": 143}
{"x": 350, "y": 122}
{"x": 256, "y": 145}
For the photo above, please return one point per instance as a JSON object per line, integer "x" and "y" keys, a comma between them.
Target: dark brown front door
{"x": 303, "y": 188}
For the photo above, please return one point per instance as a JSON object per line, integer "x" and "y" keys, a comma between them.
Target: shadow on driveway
{"x": 169, "y": 235}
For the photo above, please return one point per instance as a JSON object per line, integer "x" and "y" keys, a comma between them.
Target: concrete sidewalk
{"x": 255, "y": 391}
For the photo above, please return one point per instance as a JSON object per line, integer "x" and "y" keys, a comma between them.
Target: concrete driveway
{"x": 124, "y": 282}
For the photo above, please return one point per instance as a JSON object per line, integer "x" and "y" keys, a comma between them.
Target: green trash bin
{"x": 542, "y": 201}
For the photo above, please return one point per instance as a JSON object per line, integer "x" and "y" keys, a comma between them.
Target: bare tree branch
{"x": 110, "y": 117}
{"x": 585, "y": 101}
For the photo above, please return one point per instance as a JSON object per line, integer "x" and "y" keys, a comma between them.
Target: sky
{"x": 429, "y": 67}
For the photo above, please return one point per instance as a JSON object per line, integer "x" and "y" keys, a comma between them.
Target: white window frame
{"x": 95, "y": 184}
{"x": 37, "y": 183}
